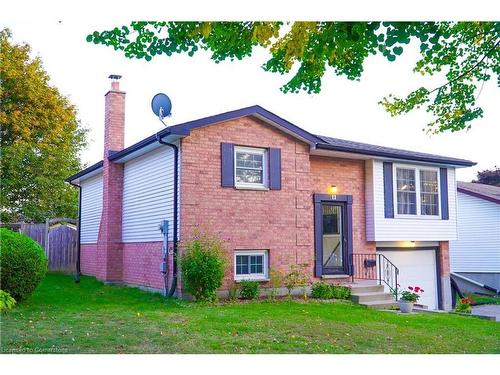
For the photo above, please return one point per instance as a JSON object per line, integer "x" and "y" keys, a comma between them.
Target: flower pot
{"x": 405, "y": 307}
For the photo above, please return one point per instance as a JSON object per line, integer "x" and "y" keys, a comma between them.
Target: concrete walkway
{"x": 488, "y": 310}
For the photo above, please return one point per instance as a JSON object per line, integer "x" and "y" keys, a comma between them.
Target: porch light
{"x": 332, "y": 190}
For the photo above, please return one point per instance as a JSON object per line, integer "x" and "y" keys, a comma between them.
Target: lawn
{"x": 64, "y": 317}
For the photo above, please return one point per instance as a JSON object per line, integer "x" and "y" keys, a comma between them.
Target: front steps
{"x": 372, "y": 296}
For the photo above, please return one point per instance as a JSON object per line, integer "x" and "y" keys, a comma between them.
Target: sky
{"x": 198, "y": 88}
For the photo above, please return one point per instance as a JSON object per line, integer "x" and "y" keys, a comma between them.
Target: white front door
{"x": 416, "y": 268}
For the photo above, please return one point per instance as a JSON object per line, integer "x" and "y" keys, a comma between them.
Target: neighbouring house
{"x": 277, "y": 194}
{"x": 475, "y": 255}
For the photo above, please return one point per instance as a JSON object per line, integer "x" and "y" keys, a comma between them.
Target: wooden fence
{"x": 58, "y": 237}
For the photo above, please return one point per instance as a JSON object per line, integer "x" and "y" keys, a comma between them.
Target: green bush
{"x": 23, "y": 264}
{"x": 232, "y": 292}
{"x": 321, "y": 290}
{"x": 249, "y": 289}
{"x": 6, "y": 301}
{"x": 275, "y": 282}
{"x": 340, "y": 292}
{"x": 295, "y": 278}
{"x": 203, "y": 264}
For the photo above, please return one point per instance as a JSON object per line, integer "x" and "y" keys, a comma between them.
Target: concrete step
{"x": 371, "y": 296}
{"x": 357, "y": 289}
{"x": 381, "y": 305}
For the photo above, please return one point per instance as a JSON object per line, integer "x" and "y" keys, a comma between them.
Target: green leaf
{"x": 398, "y": 50}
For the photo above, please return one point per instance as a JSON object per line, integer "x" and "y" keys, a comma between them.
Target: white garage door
{"x": 416, "y": 268}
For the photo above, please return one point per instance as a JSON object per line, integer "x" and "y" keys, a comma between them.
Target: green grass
{"x": 91, "y": 317}
{"x": 480, "y": 299}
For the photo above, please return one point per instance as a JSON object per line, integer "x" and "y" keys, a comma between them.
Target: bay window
{"x": 250, "y": 265}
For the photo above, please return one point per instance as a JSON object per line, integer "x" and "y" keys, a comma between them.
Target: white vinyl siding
{"x": 409, "y": 227}
{"x": 91, "y": 209}
{"x": 148, "y": 192}
{"x": 477, "y": 248}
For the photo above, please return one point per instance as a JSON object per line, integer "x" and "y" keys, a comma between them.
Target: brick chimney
{"x": 109, "y": 243}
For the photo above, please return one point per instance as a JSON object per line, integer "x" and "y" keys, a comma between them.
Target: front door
{"x": 334, "y": 257}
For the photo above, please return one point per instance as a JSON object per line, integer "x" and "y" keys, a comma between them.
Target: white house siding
{"x": 379, "y": 228}
{"x": 91, "y": 209}
{"x": 148, "y": 191}
{"x": 477, "y": 248}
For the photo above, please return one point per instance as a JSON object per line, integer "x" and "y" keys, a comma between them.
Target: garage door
{"x": 416, "y": 268}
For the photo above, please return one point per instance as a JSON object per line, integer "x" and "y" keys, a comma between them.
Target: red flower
{"x": 421, "y": 290}
{"x": 417, "y": 289}
{"x": 410, "y": 287}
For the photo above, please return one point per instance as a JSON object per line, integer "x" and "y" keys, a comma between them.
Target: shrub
{"x": 233, "y": 292}
{"x": 464, "y": 305}
{"x": 321, "y": 290}
{"x": 6, "y": 301}
{"x": 23, "y": 264}
{"x": 275, "y": 281}
{"x": 340, "y": 292}
{"x": 203, "y": 264}
{"x": 295, "y": 278}
{"x": 249, "y": 289}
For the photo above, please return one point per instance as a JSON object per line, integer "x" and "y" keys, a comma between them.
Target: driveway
{"x": 489, "y": 310}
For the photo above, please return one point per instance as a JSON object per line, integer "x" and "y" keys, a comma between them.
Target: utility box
{"x": 163, "y": 267}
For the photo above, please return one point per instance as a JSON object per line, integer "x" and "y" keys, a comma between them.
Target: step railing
{"x": 375, "y": 267}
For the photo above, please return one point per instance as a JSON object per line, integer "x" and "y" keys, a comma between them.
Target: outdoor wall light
{"x": 410, "y": 244}
{"x": 332, "y": 190}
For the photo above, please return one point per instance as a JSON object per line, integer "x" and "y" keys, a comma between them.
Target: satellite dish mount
{"x": 161, "y": 106}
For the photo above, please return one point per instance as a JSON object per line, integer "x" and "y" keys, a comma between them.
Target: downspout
{"x": 78, "y": 265}
{"x": 176, "y": 199}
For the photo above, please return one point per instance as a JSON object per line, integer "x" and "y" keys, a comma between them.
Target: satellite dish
{"x": 161, "y": 106}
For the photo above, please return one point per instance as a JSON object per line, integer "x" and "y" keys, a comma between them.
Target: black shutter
{"x": 274, "y": 169}
{"x": 388, "y": 191}
{"x": 227, "y": 164}
{"x": 443, "y": 177}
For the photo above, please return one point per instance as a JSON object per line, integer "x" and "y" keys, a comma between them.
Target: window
{"x": 250, "y": 167}
{"x": 429, "y": 196}
{"x": 250, "y": 265}
{"x": 406, "y": 191}
{"x": 417, "y": 191}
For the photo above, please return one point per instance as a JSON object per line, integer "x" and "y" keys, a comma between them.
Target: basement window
{"x": 250, "y": 265}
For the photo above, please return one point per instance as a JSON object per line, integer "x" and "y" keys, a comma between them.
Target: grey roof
{"x": 368, "y": 149}
{"x": 487, "y": 192}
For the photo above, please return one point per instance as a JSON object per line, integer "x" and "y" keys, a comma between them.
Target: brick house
{"x": 276, "y": 193}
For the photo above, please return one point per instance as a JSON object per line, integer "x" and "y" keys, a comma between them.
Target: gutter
{"x": 385, "y": 154}
{"x": 173, "y": 287}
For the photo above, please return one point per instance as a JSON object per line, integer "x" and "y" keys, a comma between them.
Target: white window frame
{"x": 253, "y": 276}
{"x": 418, "y": 191}
{"x": 265, "y": 168}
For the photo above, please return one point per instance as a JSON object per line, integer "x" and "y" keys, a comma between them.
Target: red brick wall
{"x": 248, "y": 219}
{"x": 141, "y": 264}
{"x": 88, "y": 256}
{"x": 444, "y": 258}
{"x": 109, "y": 247}
{"x": 349, "y": 177}
{"x": 280, "y": 221}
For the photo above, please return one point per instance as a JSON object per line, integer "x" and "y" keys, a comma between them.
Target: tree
{"x": 489, "y": 177}
{"x": 40, "y": 139}
{"x": 468, "y": 51}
